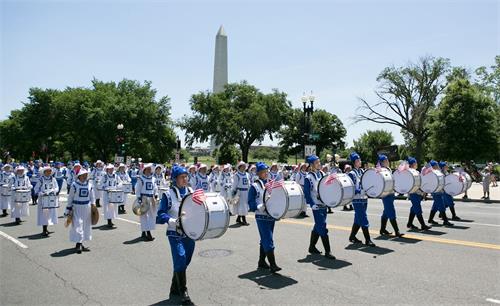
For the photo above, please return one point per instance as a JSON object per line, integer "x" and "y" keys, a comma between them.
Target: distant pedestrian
{"x": 486, "y": 183}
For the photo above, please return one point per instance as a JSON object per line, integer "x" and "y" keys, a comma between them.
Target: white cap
{"x": 82, "y": 172}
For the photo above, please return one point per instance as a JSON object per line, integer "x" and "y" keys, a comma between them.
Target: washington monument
{"x": 220, "y": 67}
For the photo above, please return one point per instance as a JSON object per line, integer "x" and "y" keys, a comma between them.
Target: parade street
{"x": 447, "y": 265}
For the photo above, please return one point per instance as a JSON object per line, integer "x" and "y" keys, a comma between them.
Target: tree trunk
{"x": 244, "y": 152}
{"x": 418, "y": 148}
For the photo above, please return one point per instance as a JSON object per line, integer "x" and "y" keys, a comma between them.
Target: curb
{"x": 456, "y": 200}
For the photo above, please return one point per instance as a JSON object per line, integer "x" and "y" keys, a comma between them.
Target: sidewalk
{"x": 476, "y": 192}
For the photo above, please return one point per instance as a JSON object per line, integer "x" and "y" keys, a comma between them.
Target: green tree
{"x": 241, "y": 115}
{"x": 262, "y": 153}
{"x": 329, "y": 130}
{"x": 464, "y": 124}
{"x": 489, "y": 79}
{"x": 406, "y": 95}
{"x": 370, "y": 142}
{"x": 228, "y": 154}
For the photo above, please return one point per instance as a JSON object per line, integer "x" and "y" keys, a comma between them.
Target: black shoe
{"x": 366, "y": 233}
{"x": 448, "y": 223}
{"x": 238, "y": 220}
{"x": 329, "y": 211}
{"x": 185, "y": 299}
{"x": 312, "y": 243}
{"x": 326, "y": 244}
{"x": 354, "y": 231}
{"x": 395, "y": 226}
{"x": 244, "y": 221}
{"x": 431, "y": 218}
{"x": 345, "y": 208}
{"x": 78, "y": 248}
{"x": 262, "y": 259}
{"x": 4, "y": 213}
{"x": 85, "y": 249}
{"x": 456, "y": 218}
{"x": 272, "y": 261}
{"x": 149, "y": 236}
{"x": 383, "y": 224}
{"x": 423, "y": 226}
{"x": 144, "y": 236}
{"x": 411, "y": 226}
{"x": 18, "y": 221}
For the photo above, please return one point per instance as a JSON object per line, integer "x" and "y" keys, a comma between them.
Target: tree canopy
{"x": 370, "y": 142}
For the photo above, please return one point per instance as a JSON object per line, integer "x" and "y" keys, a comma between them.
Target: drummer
{"x": 145, "y": 189}
{"x": 448, "y": 199}
{"x": 438, "y": 203}
{"x": 359, "y": 202}
{"x": 416, "y": 200}
{"x": 181, "y": 246}
{"x": 299, "y": 179}
{"x": 125, "y": 178}
{"x": 80, "y": 200}
{"x": 241, "y": 183}
{"x": 7, "y": 178}
{"x": 110, "y": 181}
{"x": 21, "y": 182}
{"x": 160, "y": 180}
{"x": 46, "y": 186}
{"x": 319, "y": 209}
{"x": 265, "y": 223}
{"x": 213, "y": 179}
{"x": 201, "y": 178}
{"x": 389, "y": 212}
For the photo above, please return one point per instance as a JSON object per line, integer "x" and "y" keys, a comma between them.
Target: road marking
{"x": 14, "y": 240}
{"x": 493, "y": 301}
{"x": 129, "y": 221}
{"x": 410, "y": 236}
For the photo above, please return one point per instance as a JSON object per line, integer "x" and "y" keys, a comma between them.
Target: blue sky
{"x": 334, "y": 48}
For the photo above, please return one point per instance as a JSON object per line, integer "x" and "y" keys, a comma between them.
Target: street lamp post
{"x": 121, "y": 140}
{"x": 308, "y": 111}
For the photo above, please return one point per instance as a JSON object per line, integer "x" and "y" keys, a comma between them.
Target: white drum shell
{"x": 22, "y": 196}
{"x": 432, "y": 182}
{"x": 377, "y": 183}
{"x": 285, "y": 202}
{"x": 207, "y": 221}
{"x": 407, "y": 181}
{"x": 116, "y": 196}
{"x": 339, "y": 193}
{"x": 127, "y": 187}
{"x": 6, "y": 190}
{"x": 49, "y": 201}
{"x": 452, "y": 184}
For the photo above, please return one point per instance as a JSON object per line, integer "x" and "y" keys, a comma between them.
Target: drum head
{"x": 403, "y": 181}
{"x": 277, "y": 204}
{"x": 454, "y": 184}
{"x": 194, "y": 220}
{"x": 373, "y": 183}
{"x": 431, "y": 182}
{"x": 330, "y": 195}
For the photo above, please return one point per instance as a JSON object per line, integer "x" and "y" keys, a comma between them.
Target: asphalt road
{"x": 448, "y": 265}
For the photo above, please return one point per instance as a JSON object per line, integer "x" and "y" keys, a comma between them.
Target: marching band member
{"x": 71, "y": 177}
{"x": 416, "y": 200}
{"x": 265, "y": 223}
{"x": 347, "y": 169}
{"x": 58, "y": 175}
{"x": 274, "y": 173}
{"x": 21, "y": 182}
{"x": 96, "y": 176}
{"x": 319, "y": 209}
{"x": 34, "y": 175}
{"x": 110, "y": 181}
{"x": 192, "y": 176}
{"x": 133, "y": 173}
{"x": 213, "y": 179}
{"x": 389, "y": 212}
{"x": 225, "y": 183}
{"x": 47, "y": 185}
{"x": 359, "y": 202}
{"x": 146, "y": 188}
{"x": 181, "y": 246}
{"x": 438, "y": 203}
{"x": 7, "y": 180}
{"x": 326, "y": 170}
{"x": 201, "y": 178}
{"x": 241, "y": 183}
{"x": 125, "y": 178}
{"x": 80, "y": 200}
{"x": 160, "y": 180}
{"x": 299, "y": 179}
{"x": 252, "y": 172}
{"x": 448, "y": 199}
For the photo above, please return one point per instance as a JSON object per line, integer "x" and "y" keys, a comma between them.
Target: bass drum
{"x": 455, "y": 184}
{"x": 286, "y": 201}
{"x": 407, "y": 181}
{"x": 206, "y": 221}
{"x": 432, "y": 182}
{"x": 377, "y": 183}
{"x": 338, "y": 192}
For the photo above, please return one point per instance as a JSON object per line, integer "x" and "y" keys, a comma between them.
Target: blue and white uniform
{"x": 213, "y": 180}
{"x": 58, "y": 175}
{"x": 201, "y": 182}
{"x": 47, "y": 185}
{"x": 133, "y": 173}
{"x": 96, "y": 176}
{"x": 225, "y": 183}
{"x": 241, "y": 184}
{"x": 80, "y": 199}
{"x": 146, "y": 188}
{"x": 359, "y": 201}
{"x": 110, "y": 182}
{"x": 20, "y": 209}
{"x": 6, "y": 179}
{"x": 265, "y": 223}
{"x": 312, "y": 199}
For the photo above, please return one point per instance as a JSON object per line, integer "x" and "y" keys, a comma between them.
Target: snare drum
{"x": 407, "y": 181}
{"x": 22, "y": 195}
{"x": 339, "y": 192}
{"x": 116, "y": 196}
{"x": 377, "y": 183}
{"x": 432, "y": 181}
{"x": 49, "y": 201}
{"x": 6, "y": 190}
{"x": 286, "y": 201}
{"x": 206, "y": 221}
{"x": 127, "y": 187}
{"x": 455, "y": 184}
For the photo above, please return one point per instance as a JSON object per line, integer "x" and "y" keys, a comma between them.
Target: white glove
{"x": 315, "y": 207}
{"x": 261, "y": 207}
{"x": 172, "y": 222}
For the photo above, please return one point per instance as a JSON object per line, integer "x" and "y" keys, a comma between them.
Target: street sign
{"x": 119, "y": 159}
{"x": 129, "y": 160}
{"x": 309, "y": 150}
{"x": 177, "y": 156}
{"x": 314, "y": 136}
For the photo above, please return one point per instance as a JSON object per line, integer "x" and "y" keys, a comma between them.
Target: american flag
{"x": 427, "y": 169}
{"x": 272, "y": 184}
{"x": 199, "y": 196}
{"x": 331, "y": 178}
{"x": 378, "y": 167}
{"x": 403, "y": 167}
{"x": 461, "y": 178}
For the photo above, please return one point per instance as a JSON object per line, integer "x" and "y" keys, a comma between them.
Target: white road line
{"x": 14, "y": 240}
{"x": 129, "y": 221}
{"x": 493, "y": 301}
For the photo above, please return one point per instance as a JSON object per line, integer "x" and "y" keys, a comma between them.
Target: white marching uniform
{"x": 146, "y": 188}
{"x": 80, "y": 198}
{"x": 201, "y": 182}
{"x": 96, "y": 176}
{"x": 225, "y": 183}
{"x": 124, "y": 177}
{"x": 20, "y": 209}
{"x": 7, "y": 179}
{"x": 275, "y": 176}
{"x": 213, "y": 181}
{"x": 110, "y": 182}
{"x": 160, "y": 181}
{"x": 299, "y": 179}
{"x": 241, "y": 185}
{"x": 45, "y": 186}
{"x": 176, "y": 199}
{"x": 192, "y": 180}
